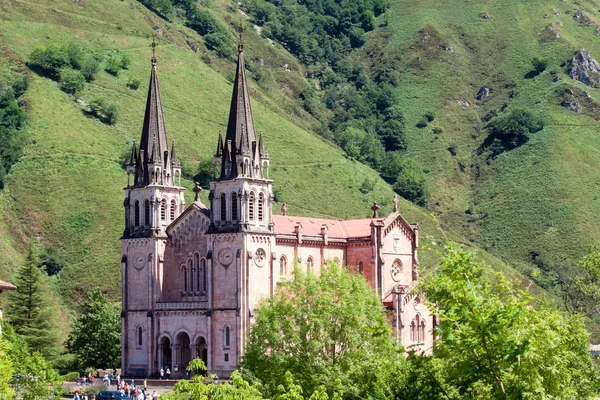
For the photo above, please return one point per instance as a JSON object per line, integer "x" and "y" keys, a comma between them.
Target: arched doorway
{"x": 164, "y": 347}
{"x": 202, "y": 351}
{"x": 184, "y": 353}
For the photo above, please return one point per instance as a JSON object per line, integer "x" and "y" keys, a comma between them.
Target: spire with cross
{"x": 153, "y": 45}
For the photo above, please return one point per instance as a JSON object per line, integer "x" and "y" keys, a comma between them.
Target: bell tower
{"x": 153, "y": 199}
{"x": 241, "y": 194}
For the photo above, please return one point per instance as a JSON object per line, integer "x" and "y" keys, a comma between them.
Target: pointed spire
{"x": 240, "y": 127}
{"x": 261, "y": 147}
{"x": 219, "y": 152}
{"x": 174, "y": 159}
{"x": 154, "y": 135}
{"x": 133, "y": 157}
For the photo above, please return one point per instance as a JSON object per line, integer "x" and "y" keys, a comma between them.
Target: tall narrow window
{"x": 412, "y": 330}
{"x": 251, "y": 206}
{"x": 191, "y": 271}
{"x": 422, "y": 331}
{"x": 147, "y": 213}
{"x": 223, "y": 207}
{"x": 185, "y": 277}
{"x": 309, "y": 264}
{"x": 282, "y": 262}
{"x": 261, "y": 203}
{"x": 198, "y": 272}
{"x": 417, "y": 333}
{"x": 234, "y": 207}
{"x": 204, "y": 275}
{"x": 137, "y": 213}
{"x": 173, "y": 209}
{"x": 139, "y": 335}
{"x": 163, "y": 209}
{"x": 227, "y": 336}
{"x": 360, "y": 268}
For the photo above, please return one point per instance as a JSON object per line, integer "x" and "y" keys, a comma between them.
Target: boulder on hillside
{"x": 582, "y": 67}
{"x": 483, "y": 93}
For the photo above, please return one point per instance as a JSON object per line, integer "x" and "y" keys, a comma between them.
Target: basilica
{"x": 193, "y": 275}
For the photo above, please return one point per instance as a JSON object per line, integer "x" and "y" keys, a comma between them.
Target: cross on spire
{"x": 153, "y": 45}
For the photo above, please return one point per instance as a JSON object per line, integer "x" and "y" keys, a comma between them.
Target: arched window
{"x": 417, "y": 333}
{"x": 261, "y": 203}
{"x": 422, "y": 331}
{"x": 204, "y": 276}
{"x": 282, "y": 265}
{"x": 173, "y": 209}
{"x": 251, "y": 206}
{"x": 360, "y": 268}
{"x": 309, "y": 264}
{"x": 234, "y": 207}
{"x": 191, "y": 271}
{"x": 227, "y": 336}
{"x": 412, "y": 330}
{"x": 198, "y": 274}
{"x": 139, "y": 335}
{"x": 163, "y": 209}
{"x": 185, "y": 277}
{"x": 137, "y": 213}
{"x": 147, "y": 213}
{"x": 223, "y": 207}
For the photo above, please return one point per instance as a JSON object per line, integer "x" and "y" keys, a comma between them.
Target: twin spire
{"x": 240, "y": 154}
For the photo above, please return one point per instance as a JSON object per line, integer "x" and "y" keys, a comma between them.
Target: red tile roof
{"x": 351, "y": 228}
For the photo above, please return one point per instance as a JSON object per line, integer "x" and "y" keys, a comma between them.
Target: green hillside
{"x": 533, "y": 206}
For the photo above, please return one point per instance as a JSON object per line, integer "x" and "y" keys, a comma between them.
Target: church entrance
{"x": 165, "y": 358}
{"x": 202, "y": 352}
{"x": 184, "y": 353}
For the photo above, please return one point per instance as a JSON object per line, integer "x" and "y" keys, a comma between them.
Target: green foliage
{"x": 494, "y": 344}
{"x": 407, "y": 178}
{"x": 112, "y": 65}
{"x": 539, "y": 64}
{"x": 35, "y": 376}
{"x": 75, "y": 54}
{"x": 90, "y": 67}
{"x": 581, "y": 285}
{"x": 511, "y": 130}
{"x": 205, "y": 172}
{"x": 49, "y": 60}
{"x": 12, "y": 119}
{"x": 96, "y": 337}
{"x": 52, "y": 260}
{"x": 6, "y": 372}
{"x": 71, "y": 81}
{"x": 104, "y": 110}
{"x": 70, "y": 376}
{"x": 327, "y": 331}
{"x": 125, "y": 61}
{"x": 29, "y": 310}
{"x": 133, "y": 83}
{"x": 162, "y": 7}
{"x": 197, "y": 389}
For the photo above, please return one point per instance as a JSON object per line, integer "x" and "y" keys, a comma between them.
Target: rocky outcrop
{"x": 483, "y": 93}
{"x": 582, "y": 67}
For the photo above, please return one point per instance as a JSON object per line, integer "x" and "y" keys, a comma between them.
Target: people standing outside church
{"x": 162, "y": 373}
{"x": 168, "y": 373}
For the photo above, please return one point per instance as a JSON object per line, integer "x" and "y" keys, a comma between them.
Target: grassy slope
{"x": 66, "y": 190}
{"x": 539, "y": 198}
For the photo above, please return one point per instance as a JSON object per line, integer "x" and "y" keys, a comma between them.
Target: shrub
{"x": 90, "y": 67}
{"x": 422, "y": 123}
{"x": 507, "y": 131}
{"x": 104, "y": 110}
{"x": 429, "y": 116}
{"x": 412, "y": 185}
{"x": 125, "y": 61}
{"x": 71, "y": 81}
{"x": 113, "y": 65}
{"x": 221, "y": 43}
{"x": 49, "y": 60}
{"x": 357, "y": 37}
{"x": 437, "y": 130}
{"x": 539, "y": 64}
{"x": 133, "y": 83}
{"x": 76, "y": 55}
{"x": 70, "y": 376}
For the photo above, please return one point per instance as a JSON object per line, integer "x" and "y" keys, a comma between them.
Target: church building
{"x": 192, "y": 276}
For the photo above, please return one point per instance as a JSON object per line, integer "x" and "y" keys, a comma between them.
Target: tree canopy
{"x": 96, "y": 336}
{"x": 494, "y": 344}
{"x": 328, "y": 332}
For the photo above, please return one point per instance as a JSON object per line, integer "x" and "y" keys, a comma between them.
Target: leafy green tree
{"x": 6, "y": 371}
{"x": 112, "y": 65}
{"x": 104, "y": 110}
{"x": 511, "y": 130}
{"x": 33, "y": 373}
{"x": 29, "y": 310}
{"x": 96, "y": 335}
{"x": 71, "y": 81}
{"x": 90, "y": 67}
{"x": 581, "y": 285}
{"x": 49, "y": 60}
{"x": 76, "y": 55}
{"x": 328, "y": 331}
{"x": 494, "y": 344}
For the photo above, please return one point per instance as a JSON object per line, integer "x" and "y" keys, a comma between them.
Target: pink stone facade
{"x": 194, "y": 276}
